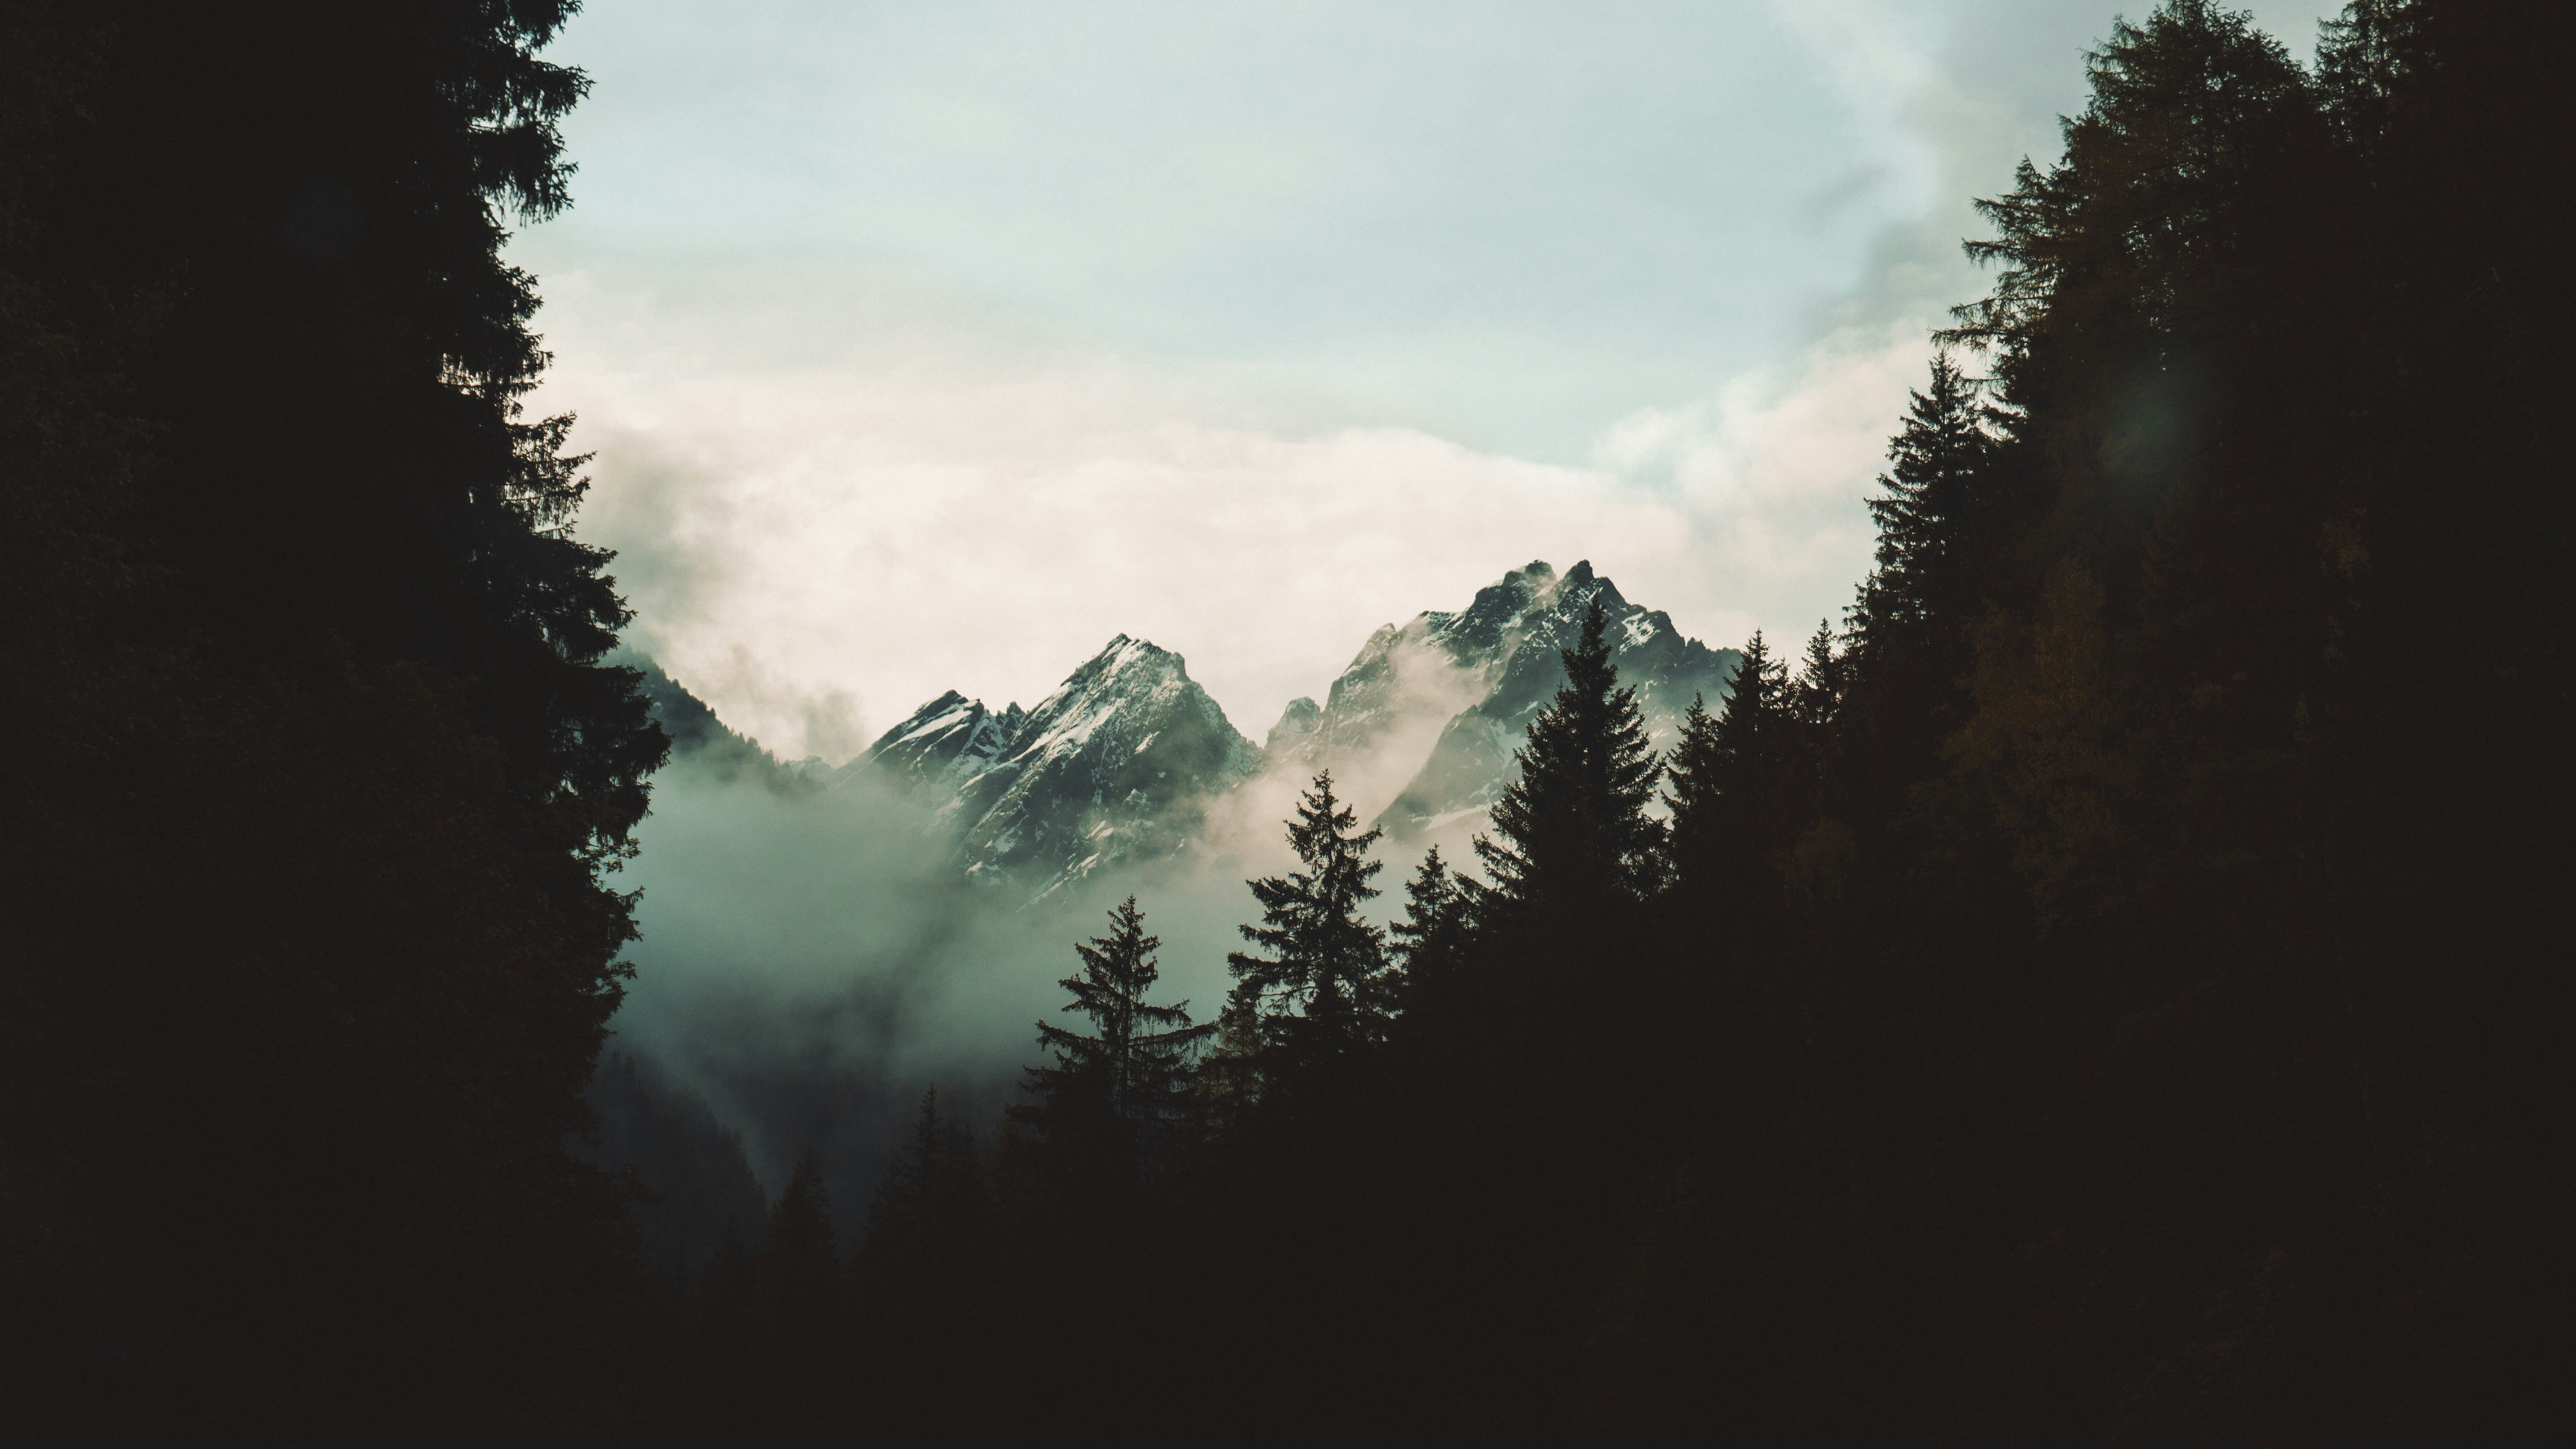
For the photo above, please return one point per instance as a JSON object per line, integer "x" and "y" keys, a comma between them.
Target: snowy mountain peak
{"x": 1462, "y": 687}
{"x": 1297, "y": 721}
{"x": 1109, "y": 767}
{"x": 948, "y": 740}
{"x": 1117, "y": 763}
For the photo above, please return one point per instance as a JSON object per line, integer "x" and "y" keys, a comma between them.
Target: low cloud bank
{"x": 811, "y": 963}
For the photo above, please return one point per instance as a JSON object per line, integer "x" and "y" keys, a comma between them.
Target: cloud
{"x": 846, "y": 472}
{"x": 810, "y": 964}
{"x": 818, "y": 548}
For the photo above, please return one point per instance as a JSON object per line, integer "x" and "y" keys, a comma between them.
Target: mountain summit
{"x": 1108, "y": 769}
{"x": 1120, "y": 763}
{"x": 1485, "y": 672}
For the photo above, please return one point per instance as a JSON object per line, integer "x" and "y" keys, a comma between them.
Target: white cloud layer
{"x": 818, "y": 549}
{"x": 921, "y": 351}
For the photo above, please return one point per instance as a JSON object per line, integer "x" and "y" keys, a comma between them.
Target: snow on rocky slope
{"x": 1123, "y": 762}
{"x": 1484, "y": 672}
{"x": 1113, "y": 767}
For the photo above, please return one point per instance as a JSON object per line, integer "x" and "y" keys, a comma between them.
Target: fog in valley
{"x": 813, "y": 959}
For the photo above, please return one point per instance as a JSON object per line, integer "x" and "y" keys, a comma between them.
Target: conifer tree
{"x": 1319, "y": 993}
{"x": 1752, "y": 729}
{"x": 925, "y": 1228}
{"x": 799, "y": 1264}
{"x": 1819, "y": 694}
{"x": 1730, "y": 776}
{"x": 1229, "y": 1077}
{"x": 301, "y": 632}
{"x": 1815, "y": 709}
{"x": 930, "y": 1191}
{"x": 922, "y": 1280}
{"x": 1571, "y": 834}
{"x": 1904, "y": 680}
{"x": 1135, "y": 1071}
{"x": 1692, "y": 771}
{"x": 1431, "y": 935}
{"x": 1933, "y": 466}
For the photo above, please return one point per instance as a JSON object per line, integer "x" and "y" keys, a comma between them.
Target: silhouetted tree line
{"x": 310, "y": 775}
{"x": 2108, "y": 991}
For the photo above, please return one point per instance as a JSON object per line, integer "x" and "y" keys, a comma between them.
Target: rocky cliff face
{"x": 1487, "y": 670}
{"x": 1113, "y": 767}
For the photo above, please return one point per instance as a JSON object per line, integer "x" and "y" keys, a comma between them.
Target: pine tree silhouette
{"x": 1571, "y": 834}
{"x": 1320, "y": 993}
{"x": 1430, "y": 938}
{"x": 1818, "y": 697}
{"x": 1934, "y": 461}
{"x": 1735, "y": 799}
{"x": 799, "y": 1267}
{"x": 1135, "y": 1071}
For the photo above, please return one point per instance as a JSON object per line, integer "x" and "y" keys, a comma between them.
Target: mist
{"x": 812, "y": 961}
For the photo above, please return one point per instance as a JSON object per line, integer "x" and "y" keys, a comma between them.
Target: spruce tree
{"x": 1730, "y": 774}
{"x": 1693, "y": 771}
{"x": 1933, "y": 467}
{"x": 1752, "y": 734}
{"x": 1431, "y": 935}
{"x": 1815, "y": 710}
{"x": 1902, "y": 684}
{"x": 1819, "y": 693}
{"x": 930, "y": 1188}
{"x": 925, "y": 1228}
{"x": 1571, "y": 832}
{"x": 1135, "y": 1071}
{"x": 1319, "y": 993}
{"x": 799, "y": 1263}
{"x": 922, "y": 1281}
{"x": 301, "y": 632}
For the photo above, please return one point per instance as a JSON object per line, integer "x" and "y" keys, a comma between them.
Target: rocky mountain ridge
{"x": 1122, "y": 762}
{"x": 1489, "y": 669}
{"x": 1114, "y": 766}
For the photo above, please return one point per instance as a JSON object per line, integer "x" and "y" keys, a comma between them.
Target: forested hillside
{"x": 2107, "y": 988}
{"x": 313, "y": 778}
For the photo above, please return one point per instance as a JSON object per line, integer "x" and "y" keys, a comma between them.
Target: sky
{"x": 928, "y": 347}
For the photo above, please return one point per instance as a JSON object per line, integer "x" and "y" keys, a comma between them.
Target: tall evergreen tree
{"x": 1934, "y": 461}
{"x": 1319, "y": 994}
{"x": 919, "y": 1263}
{"x": 1735, "y": 797}
{"x": 1821, "y": 681}
{"x": 1905, "y": 678}
{"x": 1729, "y": 763}
{"x": 1430, "y": 938}
{"x": 799, "y": 1269}
{"x": 1571, "y": 833}
{"x": 1135, "y": 1071}
{"x": 922, "y": 1285}
{"x": 316, "y": 653}
{"x": 1696, "y": 829}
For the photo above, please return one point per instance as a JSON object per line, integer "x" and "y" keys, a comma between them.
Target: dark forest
{"x": 2097, "y": 991}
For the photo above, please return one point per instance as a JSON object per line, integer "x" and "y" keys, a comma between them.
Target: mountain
{"x": 702, "y": 741}
{"x": 1113, "y": 767}
{"x": 1483, "y": 673}
{"x": 1120, "y": 764}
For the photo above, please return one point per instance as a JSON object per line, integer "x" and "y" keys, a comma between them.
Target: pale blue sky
{"x": 824, "y": 257}
{"x": 1509, "y": 223}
